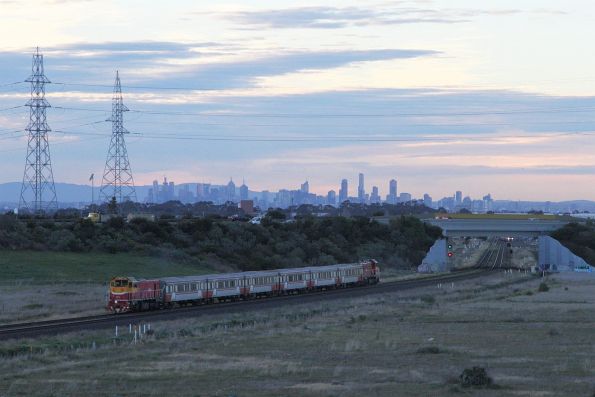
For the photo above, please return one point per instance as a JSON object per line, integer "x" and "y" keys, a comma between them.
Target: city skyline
{"x": 279, "y": 93}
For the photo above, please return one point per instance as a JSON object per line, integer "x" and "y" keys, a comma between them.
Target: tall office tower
{"x": 391, "y": 198}
{"x": 171, "y": 191}
{"x": 199, "y": 191}
{"x": 38, "y": 193}
{"x": 375, "y": 196}
{"x": 361, "y": 191}
{"x": 155, "y": 195}
{"x": 331, "y": 198}
{"x": 404, "y": 197}
{"x": 343, "y": 192}
{"x": 264, "y": 198}
{"x": 243, "y": 191}
{"x": 305, "y": 188}
{"x": 231, "y": 190}
{"x": 458, "y": 197}
{"x": 427, "y": 200}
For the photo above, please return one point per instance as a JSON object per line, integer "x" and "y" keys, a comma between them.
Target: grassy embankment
{"x": 35, "y": 267}
{"x": 46, "y": 285}
{"x": 407, "y": 343}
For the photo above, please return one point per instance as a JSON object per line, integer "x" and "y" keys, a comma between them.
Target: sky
{"x": 485, "y": 97}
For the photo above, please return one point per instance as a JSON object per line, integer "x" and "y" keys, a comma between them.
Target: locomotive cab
{"x": 120, "y": 289}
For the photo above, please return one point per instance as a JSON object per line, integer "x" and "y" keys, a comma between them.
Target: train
{"x": 128, "y": 294}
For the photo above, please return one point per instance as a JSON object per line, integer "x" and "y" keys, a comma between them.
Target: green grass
{"x": 44, "y": 267}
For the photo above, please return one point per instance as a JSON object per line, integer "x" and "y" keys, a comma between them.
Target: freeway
{"x": 53, "y": 327}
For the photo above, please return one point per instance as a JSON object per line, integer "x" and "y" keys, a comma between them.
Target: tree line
{"x": 275, "y": 243}
{"x": 578, "y": 238}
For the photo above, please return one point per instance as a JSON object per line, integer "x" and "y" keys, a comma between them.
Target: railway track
{"x": 493, "y": 257}
{"x": 53, "y": 327}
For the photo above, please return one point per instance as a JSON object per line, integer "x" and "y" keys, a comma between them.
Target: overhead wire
{"x": 341, "y": 115}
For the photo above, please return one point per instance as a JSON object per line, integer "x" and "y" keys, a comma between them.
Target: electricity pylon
{"x": 38, "y": 193}
{"x": 117, "y": 176}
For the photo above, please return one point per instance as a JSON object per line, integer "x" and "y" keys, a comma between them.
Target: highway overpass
{"x": 496, "y": 227}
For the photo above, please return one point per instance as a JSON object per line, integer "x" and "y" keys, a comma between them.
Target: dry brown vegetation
{"x": 21, "y": 302}
{"x": 398, "y": 344}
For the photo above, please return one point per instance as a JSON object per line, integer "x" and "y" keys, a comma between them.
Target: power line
{"x": 139, "y": 87}
{"x": 344, "y": 138}
{"x": 11, "y": 108}
{"x": 341, "y": 115}
{"x": 9, "y": 84}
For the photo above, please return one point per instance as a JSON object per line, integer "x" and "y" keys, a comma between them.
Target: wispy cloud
{"x": 205, "y": 65}
{"x": 341, "y": 17}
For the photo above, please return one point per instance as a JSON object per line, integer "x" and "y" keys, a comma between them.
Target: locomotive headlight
{"x": 115, "y": 301}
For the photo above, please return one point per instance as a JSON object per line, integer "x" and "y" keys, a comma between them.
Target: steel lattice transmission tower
{"x": 38, "y": 193}
{"x": 117, "y": 176}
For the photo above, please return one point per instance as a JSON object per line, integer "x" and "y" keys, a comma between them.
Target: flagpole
{"x": 92, "y": 188}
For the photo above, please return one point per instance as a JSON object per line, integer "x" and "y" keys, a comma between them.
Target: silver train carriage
{"x": 235, "y": 286}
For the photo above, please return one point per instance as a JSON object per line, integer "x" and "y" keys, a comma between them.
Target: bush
{"x": 429, "y": 350}
{"x": 273, "y": 244}
{"x": 543, "y": 287}
{"x": 429, "y": 299}
{"x": 475, "y": 377}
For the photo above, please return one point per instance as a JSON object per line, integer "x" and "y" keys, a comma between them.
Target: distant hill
{"x": 66, "y": 192}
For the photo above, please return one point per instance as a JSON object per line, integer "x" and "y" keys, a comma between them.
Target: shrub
{"x": 429, "y": 299}
{"x": 475, "y": 377}
{"x": 429, "y": 350}
{"x": 543, "y": 287}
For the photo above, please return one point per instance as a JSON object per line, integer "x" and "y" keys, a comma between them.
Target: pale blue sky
{"x": 494, "y": 96}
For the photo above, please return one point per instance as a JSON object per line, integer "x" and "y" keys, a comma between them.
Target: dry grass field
{"x": 410, "y": 343}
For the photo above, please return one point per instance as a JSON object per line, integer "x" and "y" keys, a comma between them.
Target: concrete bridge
{"x": 496, "y": 227}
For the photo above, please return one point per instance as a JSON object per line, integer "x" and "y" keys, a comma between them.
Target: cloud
{"x": 332, "y": 17}
{"x": 200, "y": 65}
{"x": 341, "y": 17}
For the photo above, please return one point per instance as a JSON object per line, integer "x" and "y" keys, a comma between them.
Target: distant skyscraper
{"x": 458, "y": 197}
{"x": 243, "y": 191}
{"x": 203, "y": 191}
{"x": 391, "y": 198}
{"x": 155, "y": 196}
{"x": 404, "y": 197}
{"x": 264, "y": 199}
{"x": 331, "y": 197}
{"x": 305, "y": 188}
{"x": 375, "y": 197}
{"x": 171, "y": 191}
{"x": 361, "y": 191}
{"x": 343, "y": 192}
{"x": 427, "y": 200}
{"x": 163, "y": 196}
{"x": 488, "y": 202}
{"x": 231, "y": 190}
